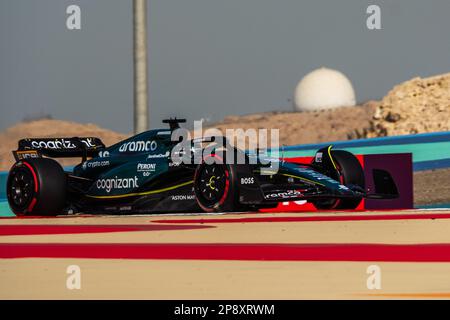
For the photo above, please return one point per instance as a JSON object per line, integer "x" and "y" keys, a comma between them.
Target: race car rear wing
{"x": 58, "y": 147}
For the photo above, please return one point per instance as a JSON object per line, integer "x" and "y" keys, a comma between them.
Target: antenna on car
{"x": 174, "y": 123}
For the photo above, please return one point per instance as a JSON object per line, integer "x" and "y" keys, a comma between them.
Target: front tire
{"x": 37, "y": 187}
{"x": 349, "y": 172}
{"x": 215, "y": 186}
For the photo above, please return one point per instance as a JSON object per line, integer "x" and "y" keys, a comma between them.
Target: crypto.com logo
{"x": 204, "y": 144}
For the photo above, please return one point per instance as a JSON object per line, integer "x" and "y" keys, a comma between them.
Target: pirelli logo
{"x": 22, "y": 155}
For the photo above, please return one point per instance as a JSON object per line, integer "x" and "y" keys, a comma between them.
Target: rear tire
{"x": 37, "y": 187}
{"x": 349, "y": 172}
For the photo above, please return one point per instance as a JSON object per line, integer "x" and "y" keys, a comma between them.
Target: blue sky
{"x": 207, "y": 59}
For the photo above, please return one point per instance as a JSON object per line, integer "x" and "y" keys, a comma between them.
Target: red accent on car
{"x": 32, "y": 204}
{"x": 36, "y": 186}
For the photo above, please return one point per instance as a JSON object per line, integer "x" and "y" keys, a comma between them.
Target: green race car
{"x": 140, "y": 175}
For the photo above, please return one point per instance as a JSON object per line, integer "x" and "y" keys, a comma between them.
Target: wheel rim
{"x": 21, "y": 188}
{"x": 212, "y": 183}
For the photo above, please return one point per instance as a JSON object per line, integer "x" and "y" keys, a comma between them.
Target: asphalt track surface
{"x": 317, "y": 255}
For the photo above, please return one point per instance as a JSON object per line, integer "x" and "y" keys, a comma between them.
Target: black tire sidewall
{"x": 352, "y": 173}
{"x": 350, "y": 167}
{"x": 230, "y": 201}
{"x": 52, "y": 185}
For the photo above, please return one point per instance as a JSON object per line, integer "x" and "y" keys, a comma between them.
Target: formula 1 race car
{"x": 139, "y": 175}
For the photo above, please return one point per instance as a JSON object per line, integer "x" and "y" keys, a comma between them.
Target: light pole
{"x": 140, "y": 65}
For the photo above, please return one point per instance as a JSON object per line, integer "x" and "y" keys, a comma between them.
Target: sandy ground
{"x": 432, "y": 187}
{"x": 178, "y": 279}
{"x": 45, "y": 278}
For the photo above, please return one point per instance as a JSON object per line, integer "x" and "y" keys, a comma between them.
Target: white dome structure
{"x": 323, "y": 89}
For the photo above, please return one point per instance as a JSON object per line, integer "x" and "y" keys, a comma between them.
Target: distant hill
{"x": 50, "y": 128}
{"x": 307, "y": 127}
{"x": 415, "y": 106}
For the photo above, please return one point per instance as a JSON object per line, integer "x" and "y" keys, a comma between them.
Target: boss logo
{"x": 248, "y": 180}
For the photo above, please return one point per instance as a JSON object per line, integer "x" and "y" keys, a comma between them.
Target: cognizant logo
{"x": 53, "y": 144}
{"x": 117, "y": 183}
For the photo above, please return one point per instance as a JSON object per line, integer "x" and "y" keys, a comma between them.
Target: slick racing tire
{"x": 215, "y": 186}
{"x": 349, "y": 172}
{"x": 36, "y": 187}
